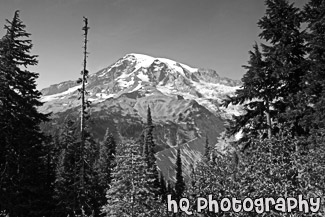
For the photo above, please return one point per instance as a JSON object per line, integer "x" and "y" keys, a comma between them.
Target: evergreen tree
{"x": 149, "y": 118}
{"x": 104, "y": 167}
{"x": 163, "y": 188}
{"x": 152, "y": 179}
{"x": 84, "y": 105}
{"x": 89, "y": 194}
{"x": 256, "y": 95}
{"x": 149, "y": 143}
{"x": 207, "y": 150}
{"x": 22, "y": 154}
{"x": 315, "y": 77}
{"x": 141, "y": 141}
{"x": 270, "y": 169}
{"x": 273, "y": 83}
{"x": 285, "y": 162}
{"x": 285, "y": 59}
{"x": 107, "y": 154}
{"x": 180, "y": 184}
{"x": 67, "y": 190}
{"x": 152, "y": 175}
{"x": 207, "y": 178}
{"x": 88, "y": 150}
{"x": 51, "y": 162}
{"x": 129, "y": 194}
{"x": 73, "y": 198}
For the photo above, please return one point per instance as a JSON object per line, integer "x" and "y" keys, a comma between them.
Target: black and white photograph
{"x": 162, "y": 108}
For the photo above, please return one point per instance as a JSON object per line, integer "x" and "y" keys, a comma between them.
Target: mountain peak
{"x": 145, "y": 61}
{"x": 142, "y": 75}
{"x": 182, "y": 99}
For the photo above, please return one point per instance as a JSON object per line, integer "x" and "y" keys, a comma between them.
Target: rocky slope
{"x": 184, "y": 102}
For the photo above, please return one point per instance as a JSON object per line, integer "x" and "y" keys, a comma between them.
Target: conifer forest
{"x": 58, "y": 164}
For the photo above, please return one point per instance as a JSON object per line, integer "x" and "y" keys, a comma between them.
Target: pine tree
{"x": 180, "y": 184}
{"x": 314, "y": 79}
{"x": 152, "y": 175}
{"x": 275, "y": 163}
{"x": 84, "y": 103}
{"x": 107, "y": 154}
{"x": 50, "y": 173}
{"x": 256, "y": 95}
{"x": 273, "y": 84}
{"x": 104, "y": 167}
{"x": 152, "y": 179}
{"x": 163, "y": 188}
{"x": 129, "y": 194}
{"x": 285, "y": 59}
{"x": 149, "y": 143}
{"x": 67, "y": 188}
{"x": 73, "y": 198}
{"x": 270, "y": 169}
{"x": 205, "y": 179}
{"x": 89, "y": 194}
{"x": 149, "y": 118}
{"x": 207, "y": 151}
{"x": 141, "y": 141}
{"x": 22, "y": 164}
{"x": 89, "y": 150}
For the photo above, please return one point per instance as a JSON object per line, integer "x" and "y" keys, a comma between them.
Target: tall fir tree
{"x": 315, "y": 77}
{"x": 149, "y": 142}
{"x": 141, "y": 141}
{"x": 22, "y": 164}
{"x": 274, "y": 81}
{"x": 84, "y": 103}
{"x": 207, "y": 149}
{"x": 104, "y": 168}
{"x": 89, "y": 148}
{"x": 67, "y": 190}
{"x": 149, "y": 118}
{"x": 72, "y": 197}
{"x": 163, "y": 188}
{"x": 180, "y": 183}
{"x": 285, "y": 58}
{"x": 256, "y": 96}
{"x": 129, "y": 194}
{"x": 149, "y": 154}
{"x": 206, "y": 178}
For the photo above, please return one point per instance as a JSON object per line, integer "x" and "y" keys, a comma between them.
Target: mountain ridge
{"x": 183, "y": 101}
{"x": 65, "y": 85}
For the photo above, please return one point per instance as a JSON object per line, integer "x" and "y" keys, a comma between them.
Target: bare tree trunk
{"x": 83, "y": 102}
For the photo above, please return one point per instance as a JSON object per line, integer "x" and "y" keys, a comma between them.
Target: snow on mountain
{"x": 184, "y": 101}
{"x": 60, "y": 95}
{"x": 142, "y": 73}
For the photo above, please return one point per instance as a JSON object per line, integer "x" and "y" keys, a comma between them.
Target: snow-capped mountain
{"x": 145, "y": 75}
{"x": 183, "y": 100}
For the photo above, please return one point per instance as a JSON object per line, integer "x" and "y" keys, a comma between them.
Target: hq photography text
{"x": 259, "y": 205}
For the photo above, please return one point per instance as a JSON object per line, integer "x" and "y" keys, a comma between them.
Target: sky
{"x": 212, "y": 34}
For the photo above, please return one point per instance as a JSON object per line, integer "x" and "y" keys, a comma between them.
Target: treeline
{"x": 69, "y": 173}
{"x": 109, "y": 179}
{"x": 281, "y": 151}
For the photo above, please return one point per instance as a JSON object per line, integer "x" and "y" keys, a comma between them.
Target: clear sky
{"x": 215, "y": 34}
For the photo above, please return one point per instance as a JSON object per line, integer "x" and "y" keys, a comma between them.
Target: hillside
{"x": 184, "y": 101}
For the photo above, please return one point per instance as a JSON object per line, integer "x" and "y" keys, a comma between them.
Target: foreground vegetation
{"x": 281, "y": 152}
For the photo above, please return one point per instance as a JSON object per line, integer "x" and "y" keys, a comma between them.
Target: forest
{"x": 281, "y": 153}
